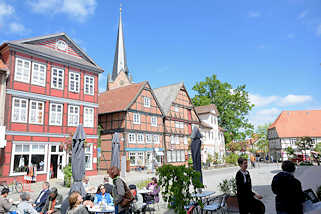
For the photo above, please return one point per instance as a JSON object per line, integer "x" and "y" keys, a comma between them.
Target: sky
{"x": 273, "y": 47}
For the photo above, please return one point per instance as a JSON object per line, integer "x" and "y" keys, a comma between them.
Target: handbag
{"x": 128, "y": 198}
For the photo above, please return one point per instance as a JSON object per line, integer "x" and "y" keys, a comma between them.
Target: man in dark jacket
{"x": 107, "y": 185}
{"x": 42, "y": 197}
{"x": 289, "y": 195}
{"x": 52, "y": 201}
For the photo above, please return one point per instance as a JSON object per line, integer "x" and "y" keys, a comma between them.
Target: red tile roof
{"x": 298, "y": 123}
{"x": 3, "y": 66}
{"x": 118, "y": 99}
{"x": 206, "y": 109}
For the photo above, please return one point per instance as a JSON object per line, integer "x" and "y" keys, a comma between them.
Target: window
{"x": 172, "y": 139}
{"x": 156, "y": 139}
{"x": 169, "y": 156}
{"x": 176, "y": 140}
{"x": 36, "y": 112}
{"x": 57, "y": 78}
{"x": 74, "y": 80}
{"x": 136, "y": 118}
{"x": 140, "y": 138}
{"x": 174, "y": 156}
{"x": 177, "y": 124}
{"x": 73, "y": 115}
{"x": 182, "y": 155}
{"x": 148, "y": 138}
{"x": 131, "y": 138}
{"x": 176, "y": 108}
{"x": 38, "y": 74}
{"x": 181, "y": 125}
{"x": 136, "y": 158}
{"x": 26, "y": 154}
{"x": 20, "y": 109}
{"x": 88, "y": 117}
{"x": 55, "y": 117}
{"x": 178, "y": 156}
{"x": 22, "y": 70}
{"x": 88, "y": 156}
{"x": 154, "y": 121}
{"x": 146, "y": 102}
{"x": 212, "y": 119}
{"x": 185, "y": 140}
{"x": 293, "y": 141}
{"x": 89, "y": 83}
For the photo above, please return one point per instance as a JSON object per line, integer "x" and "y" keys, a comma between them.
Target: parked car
{"x": 300, "y": 158}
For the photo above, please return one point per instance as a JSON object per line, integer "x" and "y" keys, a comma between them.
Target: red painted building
{"x": 51, "y": 88}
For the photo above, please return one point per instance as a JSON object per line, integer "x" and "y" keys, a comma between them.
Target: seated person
{"x": 138, "y": 204}
{"x": 88, "y": 188}
{"x": 5, "y": 203}
{"x": 155, "y": 189}
{"x": 42, "y": 197}
{"x": 24, "y": 205}
{"x": 107, "y": 185}
{"x": 53, "y": 200}
{"x": 103, "y": 196}
{"x": 77, "y": 205}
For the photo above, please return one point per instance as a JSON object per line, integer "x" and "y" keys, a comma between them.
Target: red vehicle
{"x": 299, "y": 158}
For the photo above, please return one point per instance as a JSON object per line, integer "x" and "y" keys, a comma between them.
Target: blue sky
{"x": 274, "y": 47}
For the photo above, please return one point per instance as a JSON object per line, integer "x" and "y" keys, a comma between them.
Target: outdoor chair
{"x": 215, "y": 204}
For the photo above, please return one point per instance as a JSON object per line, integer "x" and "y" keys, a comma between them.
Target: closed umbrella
{"x": 196, "y": 150}
{"x": 115, "y": 150}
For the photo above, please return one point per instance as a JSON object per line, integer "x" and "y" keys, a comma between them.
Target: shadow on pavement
{"x": 268, "y": 197}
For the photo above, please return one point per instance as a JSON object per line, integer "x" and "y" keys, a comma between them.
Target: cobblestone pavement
{"x": 261, "y": 180}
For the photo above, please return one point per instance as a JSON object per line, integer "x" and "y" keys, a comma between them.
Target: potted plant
{"x": 228, "y": 187}
{"x": 67, "y": 175}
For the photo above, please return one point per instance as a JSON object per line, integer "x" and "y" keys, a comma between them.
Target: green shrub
{"x": 231, "y": 158}
{"x": 228, "y": 186}
{"x": 305, "y": 163}
{"x": 67, "y": 175}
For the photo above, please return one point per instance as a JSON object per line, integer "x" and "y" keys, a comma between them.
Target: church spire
{"x": 120, "y": 62}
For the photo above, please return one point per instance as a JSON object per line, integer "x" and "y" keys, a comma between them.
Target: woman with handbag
{"x": 121, "y": 193}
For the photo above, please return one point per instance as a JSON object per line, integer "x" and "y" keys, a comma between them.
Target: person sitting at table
{"x": 5, "y": 203}
{"x": 155, "y": 189}
{"x": 77, "y": 205}
{"x": 288, "y": 190}
{"x": 53, "y": 200}
{"x": 107, "y": 185}
{"x": 138, "y": 203}
{"x": 87, "y": 186}
{"x": 24, "y": 205}
{"x": 103, "y": 196}
{"x": 42, "y": 197}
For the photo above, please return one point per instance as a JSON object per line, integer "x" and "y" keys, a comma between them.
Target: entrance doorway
{"x": 57, "y": 162}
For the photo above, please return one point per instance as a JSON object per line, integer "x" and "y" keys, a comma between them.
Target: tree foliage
{"x": 232, "y": 103}
{"x": 262, "y": 142}
{"x": 304, "y": 144}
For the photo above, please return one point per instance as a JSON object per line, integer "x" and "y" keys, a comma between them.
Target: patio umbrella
{"x": 78, "y": 160}
{"x": 115, "y": 150}
{"x": 196, "y": 150}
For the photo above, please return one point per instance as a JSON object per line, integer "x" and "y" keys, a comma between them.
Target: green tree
{"x": 317, "y": 147}
{"x": 304, "y": 144}
{"x": 262, "y": 142}
{"x": 232, "y": 103}
{"x": 289, "y": 151}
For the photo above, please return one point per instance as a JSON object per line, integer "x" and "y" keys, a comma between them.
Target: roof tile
{"x": 206, "y": 109}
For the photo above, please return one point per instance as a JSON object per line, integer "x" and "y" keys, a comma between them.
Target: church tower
{"x": 120, "y": 76}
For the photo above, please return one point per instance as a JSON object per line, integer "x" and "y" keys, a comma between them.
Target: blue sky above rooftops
{"x": 274, "y": 47}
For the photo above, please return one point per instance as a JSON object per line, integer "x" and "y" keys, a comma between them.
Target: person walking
{"x": 247, "y": 199}
{"x": 288, "y": 190}
{"x": 121, "y": 194}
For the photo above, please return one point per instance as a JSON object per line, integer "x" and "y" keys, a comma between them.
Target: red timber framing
{"x": 138, "y": 118}
{"x": 40, "y": 116}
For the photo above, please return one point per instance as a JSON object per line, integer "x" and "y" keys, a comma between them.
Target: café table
{"x": 97, "y": 209}
{"x": 144, "y": 191}
{"x": 203, "y": 195}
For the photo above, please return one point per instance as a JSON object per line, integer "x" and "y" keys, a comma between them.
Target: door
{"x": 60, "y": 166}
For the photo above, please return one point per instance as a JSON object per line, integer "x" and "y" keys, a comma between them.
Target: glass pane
{"x": 53, "y": 148}
{"x": 34, "y": 148}
{"x": 26, "y": 148}
{"x": 18, "y": 148}
{"x": 41, "y": 148}
{"x": 20, "y": 163}
{"x": 38, "y": 161}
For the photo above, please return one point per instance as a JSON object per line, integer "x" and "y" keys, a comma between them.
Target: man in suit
{"x": 42, "y": 197}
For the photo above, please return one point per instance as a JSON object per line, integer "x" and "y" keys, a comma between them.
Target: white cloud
{"x": 5, "y": 10}
{"x": 260, "y": 101}
{"x": 18, "y": 28}
{"x": 78, "y": 9}
{"x": 292, "y": 99}
{"x": 254, "y": 14}
{"x": 302, "y": 14}
{"x": 291, "y": 35}
{"x": 319, "y": 30}
{"x": 264, "y": 116}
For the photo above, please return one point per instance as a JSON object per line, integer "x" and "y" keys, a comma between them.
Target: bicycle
{"x": 15, "y": 186}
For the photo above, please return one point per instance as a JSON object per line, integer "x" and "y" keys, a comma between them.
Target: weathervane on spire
{"x": 120, "y": 7}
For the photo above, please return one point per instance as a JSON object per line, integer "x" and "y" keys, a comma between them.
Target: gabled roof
{"x": 119, "y": 99}
{"x": 298, "y": 123}
{"x": 32, "y": 45}
{"x": 166, "y": 95}
{"x": 3, "y": 67}
{"x": 206, "y": 109}
{"x": 206, "y": 125}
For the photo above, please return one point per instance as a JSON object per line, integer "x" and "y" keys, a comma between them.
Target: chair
{"x": 310, "y": 195}
{"x": 215, "y": 204}
{"x": 231, "y": 204}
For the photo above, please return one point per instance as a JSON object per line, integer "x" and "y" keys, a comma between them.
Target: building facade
{"x": 135, "y": 114}
{"x": 52, "y": 87}
{"x": 289, "y": 126}
{"x": 213, "y": 136}
{"x": 180, "y": 116}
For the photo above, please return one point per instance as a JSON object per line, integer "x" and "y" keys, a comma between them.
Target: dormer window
{"x": 61, "y": 45}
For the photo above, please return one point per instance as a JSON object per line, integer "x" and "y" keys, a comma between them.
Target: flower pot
{"x": 232, "y": 203}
